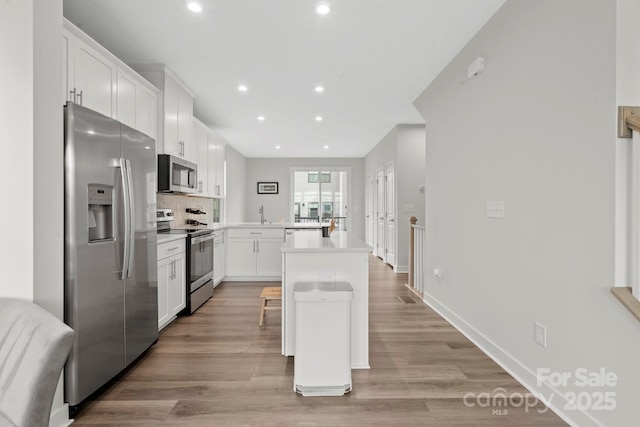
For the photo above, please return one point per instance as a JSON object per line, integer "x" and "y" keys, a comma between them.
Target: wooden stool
{"x": 268, "y": 294}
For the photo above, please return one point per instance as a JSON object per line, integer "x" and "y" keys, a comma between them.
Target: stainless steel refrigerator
{"x": 110, "y": 248}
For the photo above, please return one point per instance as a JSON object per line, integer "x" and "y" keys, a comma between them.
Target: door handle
{"x": 127, "y": 219}
{"x": 132, "y": 216}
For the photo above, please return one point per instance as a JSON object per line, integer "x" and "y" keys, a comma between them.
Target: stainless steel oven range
{"x": 199, "y": 261}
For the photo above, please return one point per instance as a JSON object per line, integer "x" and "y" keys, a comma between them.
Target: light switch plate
{"x": 541, "y": 334}
{"x": 495, "y": 209}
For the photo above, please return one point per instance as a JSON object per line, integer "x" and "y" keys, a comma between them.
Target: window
{"x": 325, "y": 177}
{"x": 320, "y": 195}
{"x": 313, "y": 210}
{"x": 327, "y": 210}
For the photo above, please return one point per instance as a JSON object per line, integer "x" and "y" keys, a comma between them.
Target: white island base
{"x": 342, "y": 257}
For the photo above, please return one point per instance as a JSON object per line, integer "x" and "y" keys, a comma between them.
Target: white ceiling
{"x": 374, "y": 57}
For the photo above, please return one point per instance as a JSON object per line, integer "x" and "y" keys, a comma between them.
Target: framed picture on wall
{"x": 267, "y": 188}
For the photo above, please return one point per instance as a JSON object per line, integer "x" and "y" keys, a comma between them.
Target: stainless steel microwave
{"x": 176, "y": 175}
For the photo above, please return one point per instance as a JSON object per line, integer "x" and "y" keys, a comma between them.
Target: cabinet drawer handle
{"x": 173, "y": 249}
{"x": 254, "y": 233}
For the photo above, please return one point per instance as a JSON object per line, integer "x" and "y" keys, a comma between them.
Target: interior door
{"x": 390, "y": 216}
{"x": 369, "y": 213}
{"x": 380, "y": 229}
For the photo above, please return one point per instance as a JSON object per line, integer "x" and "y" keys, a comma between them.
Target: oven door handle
{"x": 200, "y": 239}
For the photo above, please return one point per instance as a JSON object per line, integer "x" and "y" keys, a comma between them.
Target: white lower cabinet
{"x": 269, "y": 257}
{"x": 172, "y": 280}
{"x": 218, "y": 257}
{"x": 254, "y": 253}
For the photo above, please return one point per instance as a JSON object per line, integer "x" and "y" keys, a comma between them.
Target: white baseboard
{"x": 516, "y": 369}
{"x": 60, "y": 417}
{"x": 401, "y": 269}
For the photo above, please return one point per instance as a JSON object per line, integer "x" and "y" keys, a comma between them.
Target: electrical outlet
{"x": 541, "y": 334}
{"x": 326, "y": 276}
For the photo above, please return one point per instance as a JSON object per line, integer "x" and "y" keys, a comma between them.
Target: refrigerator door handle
{"x": 130, "y": 240}
{"x": 127, "y": 217}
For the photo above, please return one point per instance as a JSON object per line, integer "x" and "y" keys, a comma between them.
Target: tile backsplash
{"x": 179, "y": 205}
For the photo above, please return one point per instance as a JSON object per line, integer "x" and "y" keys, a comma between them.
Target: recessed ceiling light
{"x": 277, "y": 147}
{"x": 318, "y": 118}
{"x": 261, "y": 118}
{"x": 326, "y": 147}
{"x": 323, "y": 8}
{"x": 243, "y": 88}
{"x": 194, "y": 5}
{"x": 319, "y": 89}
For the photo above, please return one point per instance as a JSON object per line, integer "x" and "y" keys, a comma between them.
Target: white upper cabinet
{"x": 201, "y": 141}
{"x": 90, "y": 76}
{"x": 126, "y": 100}
{"x": 185, "y": 118}
{"x": 176, "y": 111}
{"x": 210, "y": 158}
{"x": 136, "y": 103}
{"x": 147, "y": 111}
{"x": 95, "y": 78}
{"x": 217, "y": 158}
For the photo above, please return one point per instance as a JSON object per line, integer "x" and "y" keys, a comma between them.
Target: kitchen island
{"x": 308, "y": 257}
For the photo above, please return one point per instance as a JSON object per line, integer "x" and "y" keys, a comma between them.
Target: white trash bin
{"x": 322, "y": 362}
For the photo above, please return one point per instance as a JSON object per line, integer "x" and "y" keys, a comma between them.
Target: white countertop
{"x": 222, "y": 226}
{"x": 296, "y": 225}
{"x": 164, "y": 238}
{"x": 340, "y": 241}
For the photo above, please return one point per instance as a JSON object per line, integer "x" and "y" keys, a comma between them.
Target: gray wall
{"x": 628, "y": 93}
{"x": 405, "y": 146}
{"x": 410, "y": 176}
{"x": 31, "y": 121}
{"x": 536, "y": 130}
{"x": 278, "y": 205}
{"x": 236, "y": 182}
{"x": 382, "y": 153}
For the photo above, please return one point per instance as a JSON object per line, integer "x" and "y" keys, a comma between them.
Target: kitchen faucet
{"x": 261, "y": 214}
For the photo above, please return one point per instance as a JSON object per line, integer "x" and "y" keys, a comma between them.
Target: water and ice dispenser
{"x": 100, "y": 212}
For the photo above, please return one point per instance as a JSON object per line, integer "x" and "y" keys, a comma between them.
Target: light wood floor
{"x": 218, "y": 367}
